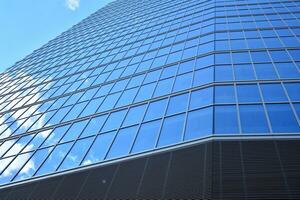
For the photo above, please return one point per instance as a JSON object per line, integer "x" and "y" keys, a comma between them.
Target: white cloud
{"x": 72, "y": 4}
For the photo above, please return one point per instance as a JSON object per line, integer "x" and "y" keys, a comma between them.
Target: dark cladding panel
{"x": 21, "y": 192}
{"x": 125, "y": 183}
{"x": 227, "y": 171}
{"x": 46, "y": 188}
{"x": 153, "y": 180}
{"x": 98, "y": 182}
{"x": 186, "y": 174}
{"x": 263, "y": 172}
{"x": 290, "y": 159}
{"x": 71, "y": 185}
{"x": 213, "y": 170}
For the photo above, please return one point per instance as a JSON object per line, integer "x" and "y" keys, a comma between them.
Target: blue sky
{"x": 28, "y": 24}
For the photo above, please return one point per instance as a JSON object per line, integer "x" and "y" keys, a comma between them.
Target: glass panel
{"x": 178, "y": 104}
{"x": 94, "y": 126}
{"x": 273, "y": 92}
{"x": 32, "y": 165}
{"x": 164, "y": 87}
{"x": 183, "y": 82}
{"x": 135, "y": 115}
{"x": 156, "y": 109}
{"x": 145, "y": 92}
{"x": 224, "y": 94}
{"x": 76, "y": 154}
{"x": 37, "y": 140}
{"x": 204, "y": 76}
{"x": 248, "y": 93}
{"x": 74, "y": 131}
{"x": 54, "y": 159}
{"x": 265, "y": 71}
{"x": 56, "y": 135}
{"x": 123, "y": 142}
{"x": 18, "y": 146}
{"x": 293, "y": 90}
{"x": 223, "y": 73}
{"x": 244, "y": 72}
{"x": 226, "y": 120}
{"x": 92, "y": 107}
{"x": 253, "y": 119}
{"x": 200, "y": 98}
{"x": 114, "y": 120}
{"x": 99, "y": 148}
{"x": 199, "y": 123}
{"x": 282, "y": 118}
{"x": 14, "y": 167}
{"x": 171, "y": 132}
{"x": 147, "y": 136}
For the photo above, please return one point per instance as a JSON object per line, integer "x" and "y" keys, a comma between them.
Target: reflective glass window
{"x": 224, "y": 94}
{"x": 135, "y": 115}
{"x": 273, "y": 92}
{"x": 54, "y": 159}
{"x": 114, "y": 120}
{"x": 94, "y": 126}
{"x": 123, "y": 142}
{"x": 248, "y": 93}
{"x": 156, "y": 109}
{"x": 226, "y": 121}
{"x": 199, "y": 123}
{"x": 147, "y": 136}
{"x": 74, "y": 131}
{"x": 253, "y": 119}
{"x": 293, "y": 90}
{"x": 76, "y": 154}
{"x": 282, "y": 118}
{"x": 178, "y": 104}
{"x": 99, "y": 149}
{"x": 172, "y": 130}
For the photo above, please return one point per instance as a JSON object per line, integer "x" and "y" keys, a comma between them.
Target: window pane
{"x": 200, "y": 98}
{"x": 273, "y": 92}
{"x": 14, "y": 167}
{"x": 282, "y": 118}
{"x": 244, "y": 72}
{"x": 164, "y": 87}
{"x": 265, "y": 71}
{"x": 56, "y": 135}
{"x": 76, "y": 154}
{"x": 224, "y": 94}
{"x": 199, "y": 123}
{"x": 94, "y": 126}
{"x": 147, "y": 136}
{"x": 114, "y": 120}
{"x": 74, "y": 131}
{"x": 293, "y": 90}
{"x": 223, "y": 73}
{"x": 135, "y": 115}
{"x": 54, "y": 159}
{"x": 178, "y": 104}
{"x": 123, "y": 142}
{"x": 204, "y": 76}
{"x": 145, "y": 92}
{"x": 253, "y": 119}
{"x": 226, "y": 120}
{"x": 35, "y": 161}
{"x": 99, "y": 148}
{"x": 183, "y": 82}
{"x": 127, "y": 97}
{"x": 156, "y": 109}
{"x": 171, "y": 132}
{"x": 248, "y": 93}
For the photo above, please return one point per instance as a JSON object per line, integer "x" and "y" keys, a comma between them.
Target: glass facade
{"x": 137, "y": 76}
